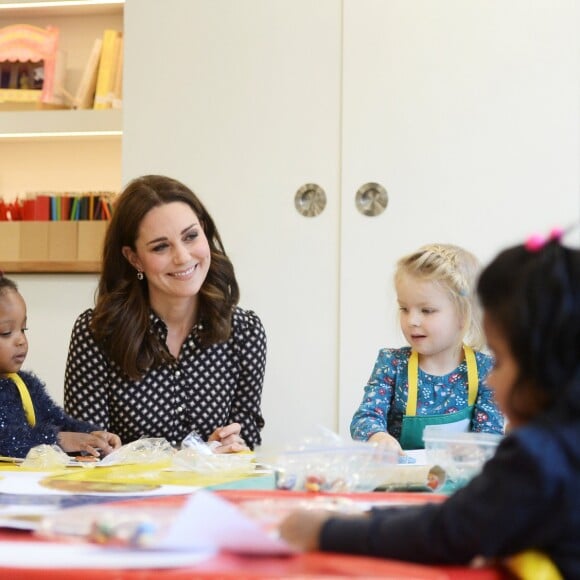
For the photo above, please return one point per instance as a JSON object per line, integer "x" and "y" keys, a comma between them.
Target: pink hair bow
{"x": 537, "y": 241}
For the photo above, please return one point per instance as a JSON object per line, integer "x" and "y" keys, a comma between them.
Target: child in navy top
{"x": 527, "y": 496}
{"x": 440, "y": 377}
{"x": 28, "y": 416}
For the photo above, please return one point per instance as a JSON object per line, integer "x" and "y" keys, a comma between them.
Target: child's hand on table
{"x": 301, "y": 529}
{"x": 112, "y": 441}
{"x": 96, "y": 443}
{"x": 386, "y": 441}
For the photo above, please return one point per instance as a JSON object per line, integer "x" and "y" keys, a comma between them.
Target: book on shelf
{"x": 108, "y": 65}
{"x": 10, "y": 211}
{"x": 60, "y": 95}
{"x": 59, "y": 206}
{"x": 117, "y": 96}
{"x": 85, "y": 95}
{"x": 36, "y": 208}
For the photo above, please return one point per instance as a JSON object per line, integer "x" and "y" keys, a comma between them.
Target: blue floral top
{"x": 17, "y": 437}
{"x": 385, "y": 396}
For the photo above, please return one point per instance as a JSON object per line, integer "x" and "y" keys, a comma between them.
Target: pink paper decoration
{"x": 24, "y": 42}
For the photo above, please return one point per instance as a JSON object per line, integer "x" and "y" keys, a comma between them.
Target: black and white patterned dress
{"x": 205, "y": 388}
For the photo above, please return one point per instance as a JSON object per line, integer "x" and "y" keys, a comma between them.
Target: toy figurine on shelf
{"x": 26, "y": 49}
{"x": 24, "y": 81}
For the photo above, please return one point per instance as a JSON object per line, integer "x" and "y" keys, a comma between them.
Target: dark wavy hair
{"x": 120, "y": 321}
{"x": 534, "y": 297}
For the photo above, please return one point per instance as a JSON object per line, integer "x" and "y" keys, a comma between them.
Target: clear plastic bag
{"x": 199, "y": 456}
{"x": 46, "y": 458}
{"x": 194, "y": 442}
{"x": 141, "y": 451}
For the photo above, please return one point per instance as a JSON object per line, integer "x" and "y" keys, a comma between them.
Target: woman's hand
{"x": 97, "y": 443}
{"x": 228, "y": 438}
{"x": 301, "y": 529}
{"x": 386, "y": 441}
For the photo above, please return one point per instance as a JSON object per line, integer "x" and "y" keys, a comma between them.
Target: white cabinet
{"x": 241, "y": 100}
{"x": 466, "y": 112}
{"x": 469, "y": 114}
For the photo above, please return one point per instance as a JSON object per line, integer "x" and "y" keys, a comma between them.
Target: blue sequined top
{"x": 17, "y": 437}
{"x": 385, "y": 396}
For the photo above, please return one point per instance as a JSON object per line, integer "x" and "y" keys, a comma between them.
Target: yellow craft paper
{"x": 152, "y": 473}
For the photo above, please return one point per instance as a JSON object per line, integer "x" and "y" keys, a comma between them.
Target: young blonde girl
{"x": 439, "y": 379}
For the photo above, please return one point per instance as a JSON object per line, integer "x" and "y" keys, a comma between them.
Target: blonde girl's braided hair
{"x": 455, "y": 270}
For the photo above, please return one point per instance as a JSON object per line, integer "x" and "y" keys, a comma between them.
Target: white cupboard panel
{"x": 240, "y": 100}
{"x": 468, "y": 114}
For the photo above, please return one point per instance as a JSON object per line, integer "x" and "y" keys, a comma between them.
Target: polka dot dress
{"x": 205, "y": 388}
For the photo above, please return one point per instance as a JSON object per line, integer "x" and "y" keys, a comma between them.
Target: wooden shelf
{"x": 50, "y": 267}
{"x": 67, "y": 124}
{"x": 45, "y": 134}
{"x": 70, "y": 8}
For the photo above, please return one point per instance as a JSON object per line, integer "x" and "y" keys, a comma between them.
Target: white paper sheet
{"x": 207, "y": 521}
{"x": 88, "y": 556}
{"x": 27, "y": 482}
{"x": 418, "y": 455}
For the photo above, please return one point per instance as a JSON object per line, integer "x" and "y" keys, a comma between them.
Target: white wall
{"x": 53, "y": 302}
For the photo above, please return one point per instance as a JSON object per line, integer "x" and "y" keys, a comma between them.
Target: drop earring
{"x": 139, "y": 275}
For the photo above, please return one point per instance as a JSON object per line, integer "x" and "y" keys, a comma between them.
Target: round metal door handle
{"x": 310, "y": 200}
{"x": 371, "y": 199}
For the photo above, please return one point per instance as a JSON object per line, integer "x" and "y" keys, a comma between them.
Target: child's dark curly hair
{"x": 534, "y": 297}
{"x": 6, "y": 284}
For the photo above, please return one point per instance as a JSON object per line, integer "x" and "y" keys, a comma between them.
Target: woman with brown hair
{"x": 166, "y": 350}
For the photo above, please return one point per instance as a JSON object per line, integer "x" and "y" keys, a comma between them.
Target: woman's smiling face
{"x": 172, "y": 251}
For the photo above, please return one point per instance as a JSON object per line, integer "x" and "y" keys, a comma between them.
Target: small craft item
{"x": 416, "y": 479}
{"x": 83, "y": 456}
{"x": 117, "y": 529}
{"x": 80, "y": 486}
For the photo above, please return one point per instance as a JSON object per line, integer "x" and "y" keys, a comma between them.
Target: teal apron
{"x": 413, "y": 426}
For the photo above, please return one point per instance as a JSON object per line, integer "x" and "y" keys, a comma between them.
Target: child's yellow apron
{"x": 413, "y": 426}
{"x": 25, "y": 396}
{"x": 533, "y": 565}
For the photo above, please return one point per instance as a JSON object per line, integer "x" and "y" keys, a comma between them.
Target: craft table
{"x": 227, "y": 565}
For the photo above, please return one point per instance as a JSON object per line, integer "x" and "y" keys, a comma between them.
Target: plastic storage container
{"x": 356, "y": 466}
{"x": 461, "y": 455}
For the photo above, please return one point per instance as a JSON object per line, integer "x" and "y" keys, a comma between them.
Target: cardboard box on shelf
{"x": 33, "y": 241}
{"x": 9, "y": 241}
{"x": 91, "y": 235}
{"x": 51, "y": 246}
{"x": 62, "y": 241}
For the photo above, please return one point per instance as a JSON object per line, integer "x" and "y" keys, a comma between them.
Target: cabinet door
{"x": 240, "y": 100}
{"x": 468, "y": 114}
